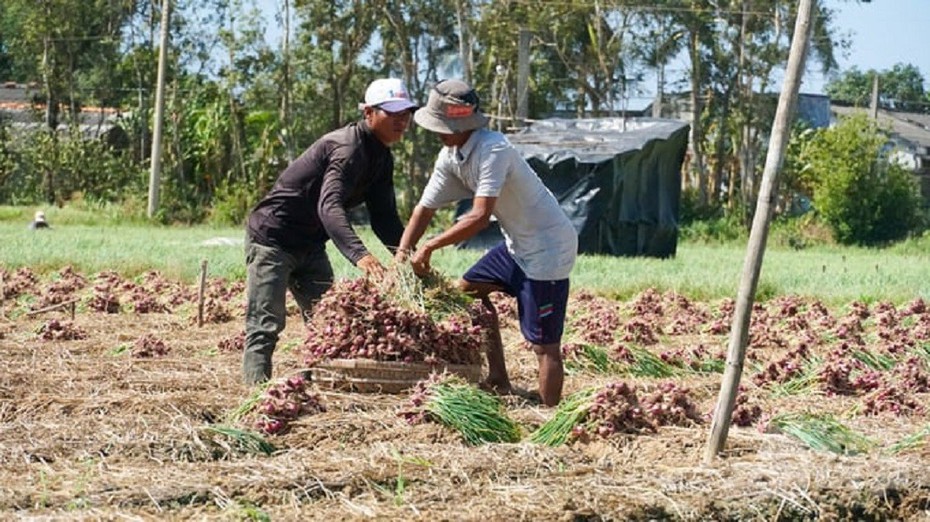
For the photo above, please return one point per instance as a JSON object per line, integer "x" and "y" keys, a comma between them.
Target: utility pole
{"x": 464, "y": 40}
{"x": 873, "y": 106}
{"x": 286, "y": 94}
{"x": 739, "y": 331}
{"x": 660, "y": 87}
{"x": 155, "y": 173}
{"x": 523, "y": 77}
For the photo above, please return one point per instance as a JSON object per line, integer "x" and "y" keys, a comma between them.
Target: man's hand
{"x": 371, "y": 266}
{"x": 401, "y": 256}
{"x": 420, "y": 261}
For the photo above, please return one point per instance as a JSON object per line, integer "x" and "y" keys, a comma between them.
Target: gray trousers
{"x": 271, "y": 273}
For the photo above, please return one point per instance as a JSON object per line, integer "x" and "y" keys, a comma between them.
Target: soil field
{"x": 108, "y": 410}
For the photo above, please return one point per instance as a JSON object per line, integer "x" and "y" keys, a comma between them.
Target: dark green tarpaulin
{"x": 619, "y": 182}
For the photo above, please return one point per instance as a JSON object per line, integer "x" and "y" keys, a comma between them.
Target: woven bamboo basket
{"x": 369, "y": 376}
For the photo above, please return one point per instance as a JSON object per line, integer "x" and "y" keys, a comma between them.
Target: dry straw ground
{"x": 90, "y": 431}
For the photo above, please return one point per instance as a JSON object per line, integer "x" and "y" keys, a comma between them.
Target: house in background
{"x": 908, "y": 139}
{"x": 21, "y": 111}
{"x": 629, "y": 108}
{"x": 909, "y": 133}
{"x": 812, "y": 109}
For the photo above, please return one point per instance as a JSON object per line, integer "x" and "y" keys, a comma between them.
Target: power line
{"x": 643, "y": 8}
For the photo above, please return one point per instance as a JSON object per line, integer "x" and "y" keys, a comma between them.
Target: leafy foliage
{"x": 862, "y": 194}
{"x": 56, "y": 168}
{"x": 900, "y": 88}
{"x": 241, "y": 108}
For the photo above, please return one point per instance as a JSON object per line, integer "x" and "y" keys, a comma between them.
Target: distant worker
{"x": 39, "y": 221}
{"x": 308, "y": 205}
{"x": 540, "y": 244}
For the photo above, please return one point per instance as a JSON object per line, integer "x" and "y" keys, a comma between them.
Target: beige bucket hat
{"x": 453, "y": 107}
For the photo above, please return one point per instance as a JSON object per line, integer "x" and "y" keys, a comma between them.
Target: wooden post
{"x": 765, "y": 204}
{"x": 70, "y": 304}
{"x": 873, "y": 103}
{"x": 155, "y": 172}
{"x": 203, "y": 287}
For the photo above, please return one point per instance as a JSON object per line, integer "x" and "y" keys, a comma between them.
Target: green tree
{"x": 7, "y": 27}
{"x": 417, "y": 38}
{"x": 899, "y": 88}
{"x": 902, "y": 88}
{"x": 864, "y": 196}
{"x": 853, "y": 87}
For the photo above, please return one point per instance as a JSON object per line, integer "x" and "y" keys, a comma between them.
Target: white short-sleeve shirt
{"x": 536, "y": 230}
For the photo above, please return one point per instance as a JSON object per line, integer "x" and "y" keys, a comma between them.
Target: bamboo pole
{"x": 755, "y": 251}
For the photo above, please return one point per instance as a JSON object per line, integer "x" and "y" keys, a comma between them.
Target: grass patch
{"x": 96, "y": 241}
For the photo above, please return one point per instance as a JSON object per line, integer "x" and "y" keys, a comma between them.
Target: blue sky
{"x": 883, "y": 33}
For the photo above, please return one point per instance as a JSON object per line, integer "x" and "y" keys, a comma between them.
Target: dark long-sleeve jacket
{"x": 310, "y": 200}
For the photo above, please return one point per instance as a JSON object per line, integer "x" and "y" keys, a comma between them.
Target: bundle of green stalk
{"x": 631, "y": 359}
{"x": 238, "y": 440}
{"x": 477, "y": 415}
{"x": 643, "y": 363}
{"x": 875, "y": 361}
{"x": 616, "y": 408}
{"x": 911, "y": 442}
{"x": 399, "y": 318}
{"x": 588, "y": 357}
{"x": 804, "y": 382}
{"x": 821, "y": 432}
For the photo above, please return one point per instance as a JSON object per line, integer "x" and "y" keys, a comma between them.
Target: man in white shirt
{"x": 540, "y": 244}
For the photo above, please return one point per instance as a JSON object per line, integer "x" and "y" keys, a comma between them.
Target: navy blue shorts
{"x": 540, "y": 304}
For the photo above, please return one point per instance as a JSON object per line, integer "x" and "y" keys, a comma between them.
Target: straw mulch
{"x": 91, "y": 432}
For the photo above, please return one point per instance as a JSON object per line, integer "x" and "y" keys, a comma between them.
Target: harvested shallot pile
{"x": 617, "y": 408}
{"x": 401, "y": 319}
{"x": 138, "y": 410}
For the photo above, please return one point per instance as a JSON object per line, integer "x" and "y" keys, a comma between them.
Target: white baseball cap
{"x": 389, "y": 94}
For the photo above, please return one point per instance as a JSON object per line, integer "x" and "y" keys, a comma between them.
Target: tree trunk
{"x": 720, "y": 156}
{"x": 697, "y": 170}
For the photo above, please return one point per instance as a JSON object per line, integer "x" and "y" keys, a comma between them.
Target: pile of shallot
{"x": 361, "y": 319}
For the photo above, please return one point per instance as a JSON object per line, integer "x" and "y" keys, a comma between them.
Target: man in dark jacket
{"x": 308, "y": 205}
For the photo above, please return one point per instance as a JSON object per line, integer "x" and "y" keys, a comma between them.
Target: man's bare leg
{"x": 498, "y": 380}
{"x": 551, "y": 372}
{"x": 497, "y": 366}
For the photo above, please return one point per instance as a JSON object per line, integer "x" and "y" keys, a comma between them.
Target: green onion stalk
{"x": 822, "y": 433}
{"x": 477, "y": 415}
{"x": 571, "y": 413}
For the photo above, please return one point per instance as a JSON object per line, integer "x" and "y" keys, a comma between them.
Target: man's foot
{"x": 256, "y": 368}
